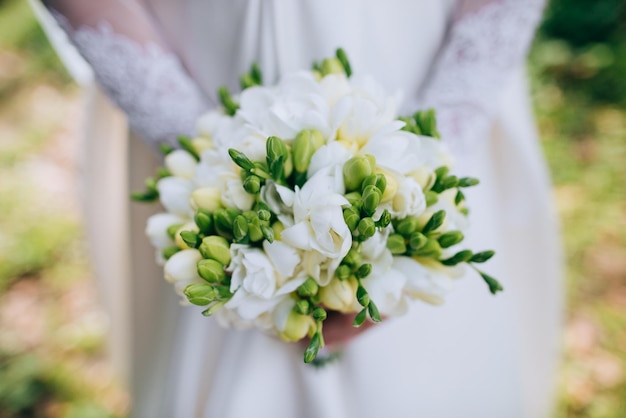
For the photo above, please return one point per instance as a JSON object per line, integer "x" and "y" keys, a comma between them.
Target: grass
{"x": 51, "y": 332}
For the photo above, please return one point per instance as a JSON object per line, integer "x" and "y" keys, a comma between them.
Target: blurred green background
{"x": 51, "y": 330}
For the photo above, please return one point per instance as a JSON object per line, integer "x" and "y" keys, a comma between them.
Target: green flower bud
{"x": 385, "y": 219}
{"x": 223, "y": 223}
{"x": 303, "y": 307}
{"x": 364, "y": 271}
{"x": 417, "y": 240}
{"x": 170, "y": 251}
{"x": 460, "y": 257}
{"x": 362, "y": 296}
{"x": 268, "y": 233}
{"x": 366, "y": 228}
{"x": 332, "y": 66}
{"x": 241, "y": 159}
{"x": 173, "y": 229}
{"x": 313, "y": 348}
{"x": 216, "y": 248}
{"x": 430, "y": 249}
{"x": 186, "y": 144}
{"x": 360, "y": 318}
{"x": 254, "y": 230}
{"x": 343, "y": 59}
{"x": 431, "y": 197}
{"x": 407, "y": 226}
{"x": 191, "y": 238}
{"x": 351, "y": 217}
{"x": 343, "y": 272}
{"x": 297, "y": 326}
{"x": 252, "y": 184}
{"x": 200, "y": 294}
{"x": 303, "y": 147}
{"x": 459, "y": 198}
{"x": 275, "y": 149}
{"x": 353, "y": 258}
{"x": 355, "y": 170}
{"x": 264, "y": 215}
{"x": 434, "y": 222}
{"x": 371, "y": 199}
{"x": 211, "y": 270}
{"x": 441, "y": 172}
{"x": 240, "y": 228}
{"x": 372, "y": 309}
{"x": 450, "y": 238}
{"x": 482, "y": 256}
{"x": 204, "y": 219}
{"x": 379, "y": 180}
{"x": 494, "y": 285}
{"x": 308, "y": 288}
{"x": 319, "y": 314}
{"x": 230, "y": 106}
{"x": 355, "y": 199}
{"x": 396, "y": 244}
{"x": 468, "y": 182}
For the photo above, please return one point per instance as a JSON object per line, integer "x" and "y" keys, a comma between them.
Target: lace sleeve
{"x": 133, "y": 66}
{"x": 487, "y": 41}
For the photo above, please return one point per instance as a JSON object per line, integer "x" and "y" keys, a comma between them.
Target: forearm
{"x": 133, "y": 66}
{"x": 486, "y": 44}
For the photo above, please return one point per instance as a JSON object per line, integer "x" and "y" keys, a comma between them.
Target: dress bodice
{"x": 218, "y": 40}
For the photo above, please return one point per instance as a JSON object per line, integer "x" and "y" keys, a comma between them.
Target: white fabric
{"x": 478, "y": 355}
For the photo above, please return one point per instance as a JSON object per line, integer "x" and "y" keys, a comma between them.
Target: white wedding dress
{"x": 476, "y": 356}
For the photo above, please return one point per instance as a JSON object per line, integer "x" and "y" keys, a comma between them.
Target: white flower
{"x": 328, "y": 156}
{"x": 156, "y": 228}
{"x": 285, "y": 110}
{"x": 181, "y": 269}
{"x": 386, "y": 289}
{"x": 278, "y": 198}
{"x": 233, "y": 194}
{"x": 318, "y": 216}
{"x": 430, "y": 282}
{"x": 363, "y": 113}
{"x": 181, "y": 164}
{"x": 409, "y": 199}
{"x": 174, "y": 193}
{"x": 261, "y": 279}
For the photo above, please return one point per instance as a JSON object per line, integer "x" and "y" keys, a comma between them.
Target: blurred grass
{"x": 51, "y": 335}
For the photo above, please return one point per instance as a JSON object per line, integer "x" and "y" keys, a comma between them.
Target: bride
{"x": 161, "y": 62}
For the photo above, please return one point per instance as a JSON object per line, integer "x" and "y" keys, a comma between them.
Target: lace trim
{"x": 149, "y": 84}
{"x": 482, "y": 49}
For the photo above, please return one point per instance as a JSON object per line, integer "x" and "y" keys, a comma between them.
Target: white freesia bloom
{"x": 409, "y": 199}
{"x": 174, "y": 193}
{"x": 329, "y": 155}
{"x": 261, "y": 279}
{"x": 181, "y": 269}
{"x": 285, "y": 110}
{"x": 156, "y": 228}
{"x": 318, "y": 216}
{"x": 430, "y": 283}
{"x": 279, "y": 199}
{"x": 181, "y": 164}
{"x": 232, "y": 192}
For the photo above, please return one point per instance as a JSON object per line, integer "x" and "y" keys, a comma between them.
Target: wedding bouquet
{"x": 307, "y": 196}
